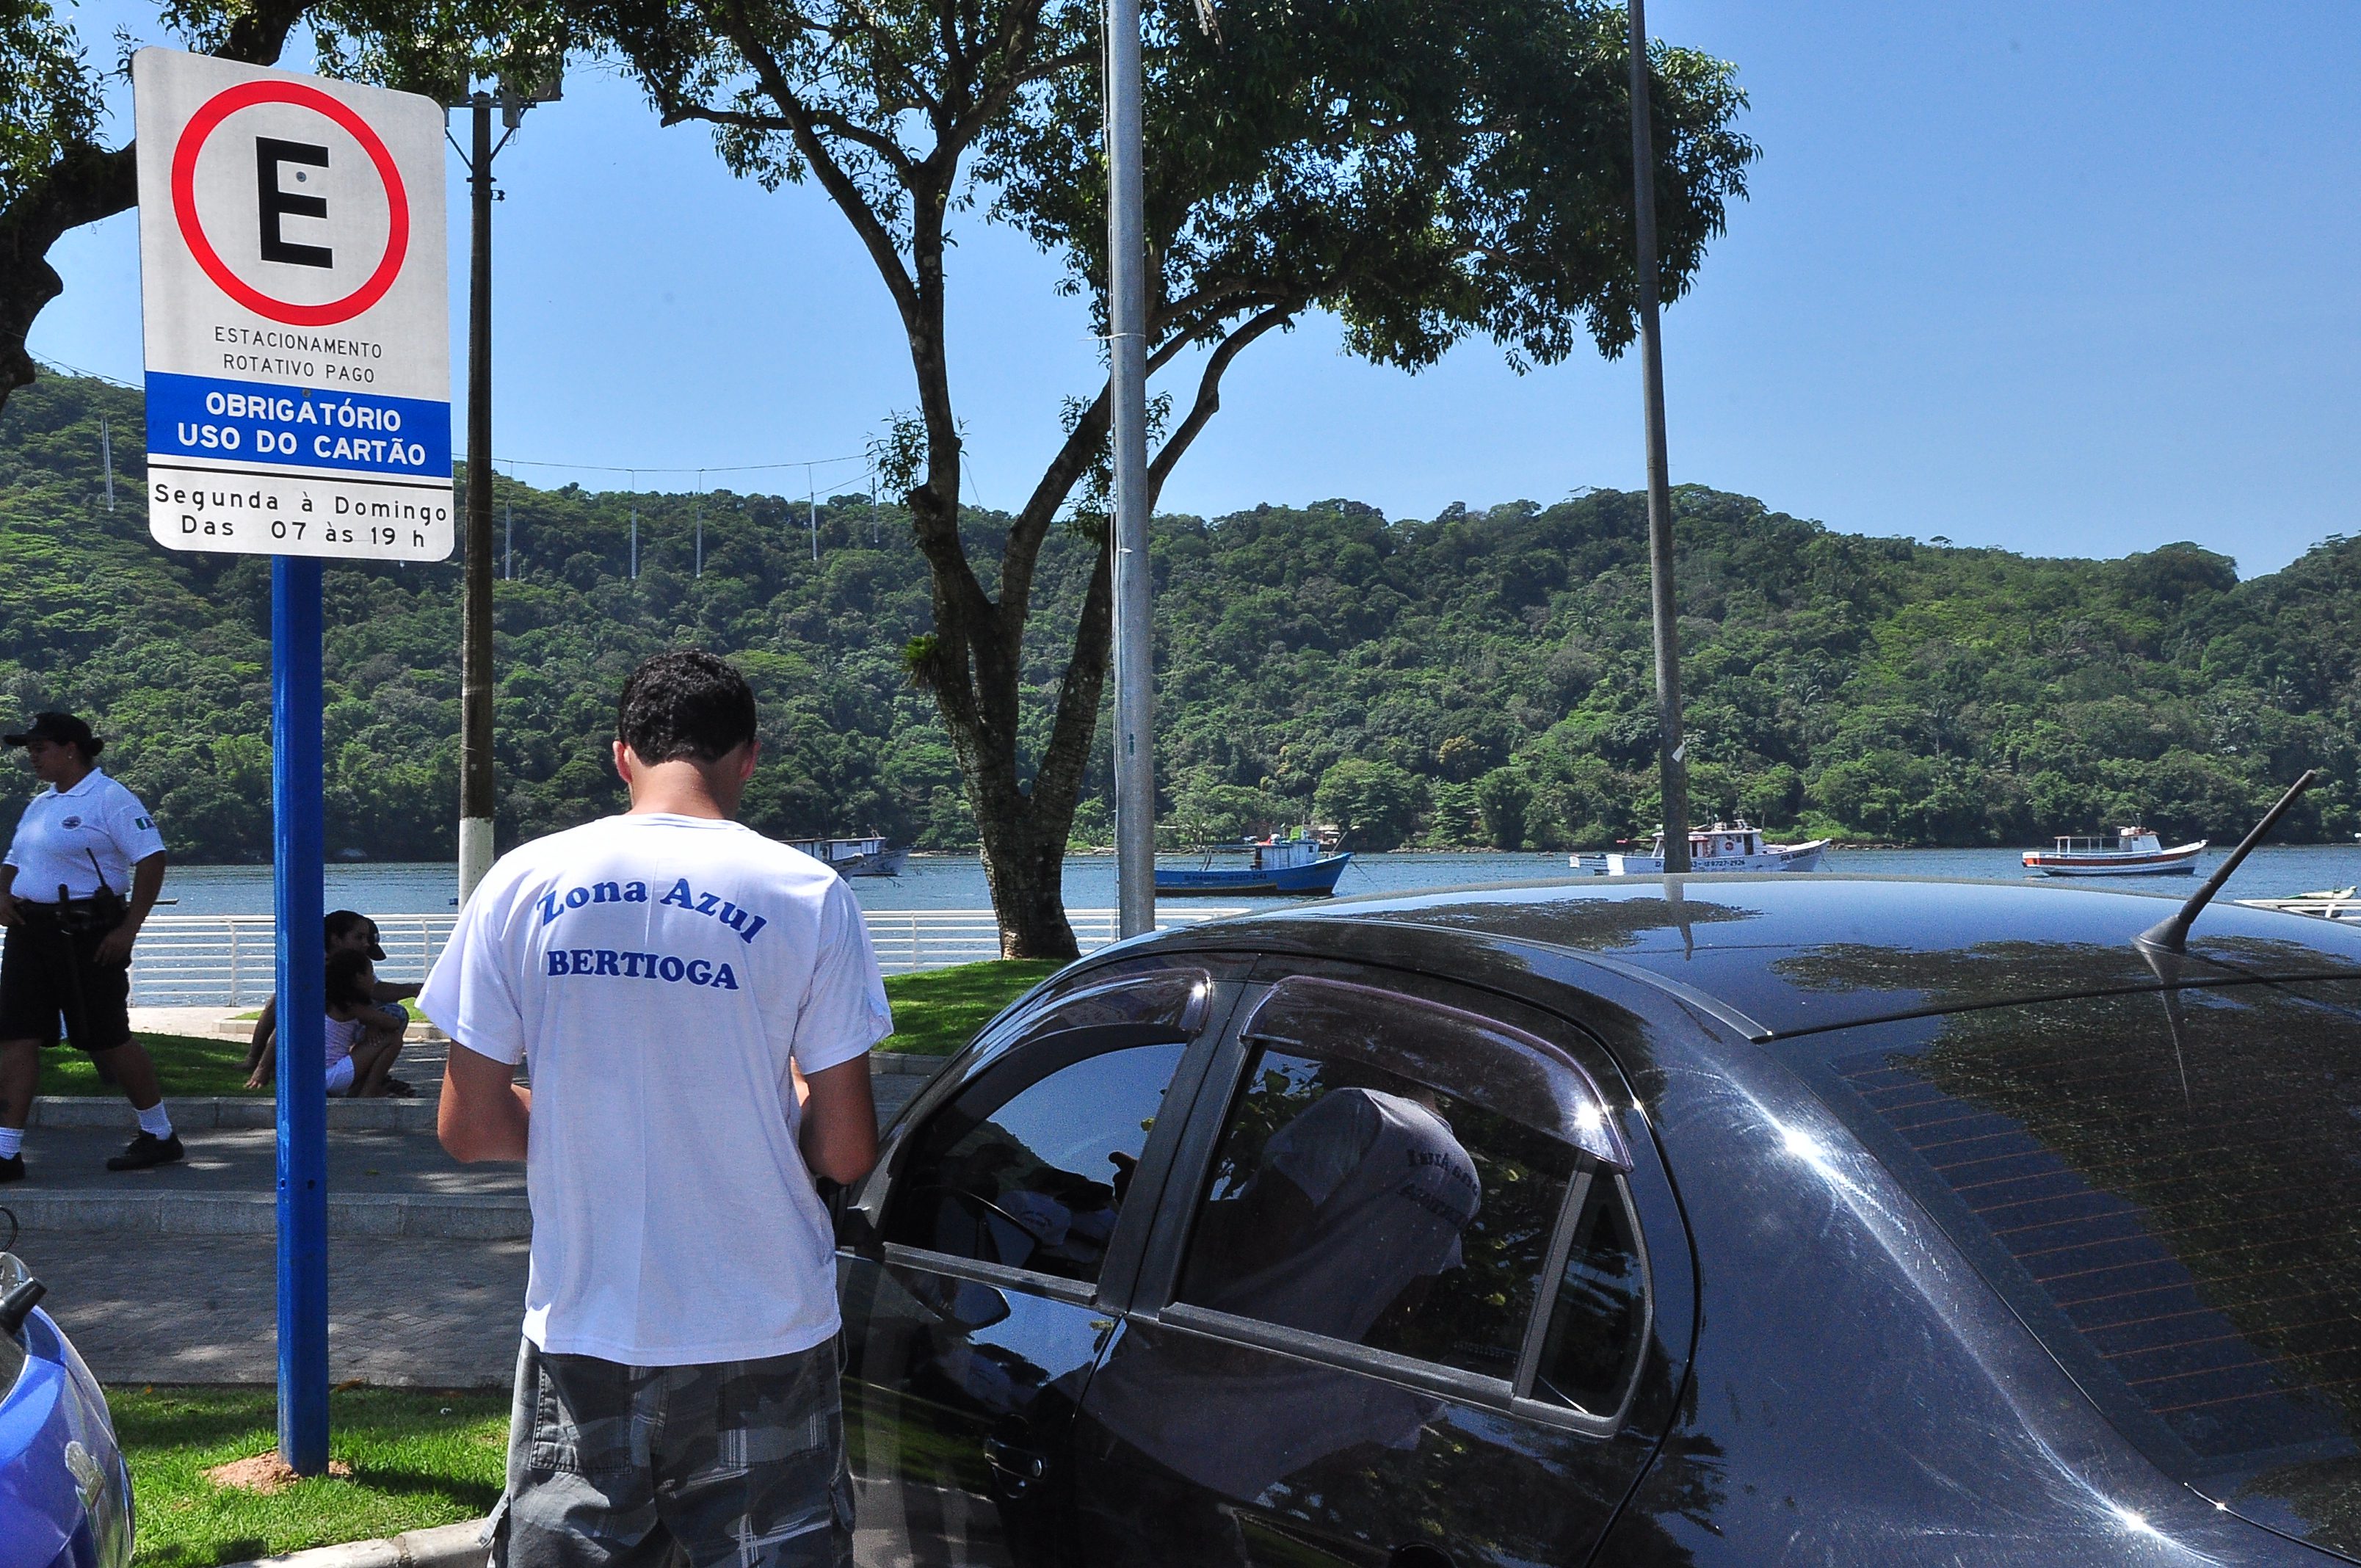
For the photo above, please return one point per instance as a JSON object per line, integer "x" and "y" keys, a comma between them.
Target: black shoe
{"x": 12, "y": 1168}
{"x": 398, "y": 1089}
{"x": 146, "y": 1151}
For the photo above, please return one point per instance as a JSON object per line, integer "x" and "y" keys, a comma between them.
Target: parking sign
{"x": 295, "y": 289}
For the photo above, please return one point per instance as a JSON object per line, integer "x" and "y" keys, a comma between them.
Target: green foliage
{"x": 1375, "y": 803}
{"x": 49, "y": 96}
{"x": 418, "y": 1457}
{"x": 1481, "y": 678}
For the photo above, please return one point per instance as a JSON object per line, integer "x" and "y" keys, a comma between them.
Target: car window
{"x": 2166, "y": 1194}
{"x": 1362, "y": 1191}
{"x": 1585, "y": 1354}
{"x": 1030, "y": 1169}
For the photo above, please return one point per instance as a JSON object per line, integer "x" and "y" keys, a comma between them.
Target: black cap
{"x": 62, "y": 727}
{"x": 340, "y": 921}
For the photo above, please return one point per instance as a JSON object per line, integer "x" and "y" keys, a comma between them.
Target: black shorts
{"x": 45, "y": 971}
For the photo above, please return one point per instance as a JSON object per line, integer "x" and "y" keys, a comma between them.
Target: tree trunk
{"x": 1025, "y": 865}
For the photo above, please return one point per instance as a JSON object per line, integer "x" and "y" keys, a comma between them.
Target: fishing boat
{"x": 1724, "y": 847}
{"x": 2133, "y": 852}
{"x": 1297, "y": 866}
{"x": 869, "y": 856}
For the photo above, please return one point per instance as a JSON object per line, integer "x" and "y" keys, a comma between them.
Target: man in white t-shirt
{"x": 669, "y": 978}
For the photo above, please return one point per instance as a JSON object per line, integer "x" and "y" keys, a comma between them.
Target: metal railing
{"x": 206, "y": 960}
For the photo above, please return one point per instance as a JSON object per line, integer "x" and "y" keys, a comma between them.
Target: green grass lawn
{"x": 189, "y": 1065}
{"x": 935, "y": 1012}
{"x": 419, "y": 1457}
{"x": 938, "y": 1011}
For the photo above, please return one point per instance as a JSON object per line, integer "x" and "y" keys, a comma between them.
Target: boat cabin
{"x": 2127, "y": 841}
{"x": 1277, "y": 854}
{"x": 1723, "y": 839}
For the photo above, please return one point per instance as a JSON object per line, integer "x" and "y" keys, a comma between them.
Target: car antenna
{"x": 2172, "y": 935}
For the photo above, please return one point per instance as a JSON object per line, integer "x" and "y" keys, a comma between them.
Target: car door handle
{"x": 1017, "y": 1468}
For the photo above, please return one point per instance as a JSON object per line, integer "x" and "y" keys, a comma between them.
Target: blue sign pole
{"x": 299, "y": 834}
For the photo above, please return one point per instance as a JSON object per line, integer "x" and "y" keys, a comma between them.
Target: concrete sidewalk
{"x": 159, "y": 1308}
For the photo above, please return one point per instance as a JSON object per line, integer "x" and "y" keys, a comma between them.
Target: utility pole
{"x": 1135, "y": 755}
{"x": 1672, "y": 751}
{"x": 475, "y": 778}
{"x": 475, "y": 645}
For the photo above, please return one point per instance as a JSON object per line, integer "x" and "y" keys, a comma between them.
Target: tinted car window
{"x": 2168, "y": 1194}
{"x": 1375, "y": 1206}
{"x": 1597, "y": 1322}
{"x": 1033, "y": 1173}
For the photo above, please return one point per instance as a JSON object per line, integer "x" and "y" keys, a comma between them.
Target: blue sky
{"x": 2068, "y": 279}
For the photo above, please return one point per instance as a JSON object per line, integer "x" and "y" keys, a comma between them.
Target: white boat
{"x": 1724, "y": 847}
{"x": 2340, "y": 904}
{"x": 2133, "y": 852}
{"x": 869, "y": 856}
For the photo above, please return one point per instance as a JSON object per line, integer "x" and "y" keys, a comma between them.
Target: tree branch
{"x": 675, "y": 111}
{"x": 85, "y": 184}
{"x": 1209, "y": 395}
{"x": 1023, "y": 551}
{"x": 842, "y": 188}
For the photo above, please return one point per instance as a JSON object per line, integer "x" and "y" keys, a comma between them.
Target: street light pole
{"x": 1672, "y": 752}
{"x": 1135, "y": 756}
{"x": 475, "y": 645}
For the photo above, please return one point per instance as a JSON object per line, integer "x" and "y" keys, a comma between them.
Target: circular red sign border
{"x": 201, "y": 124}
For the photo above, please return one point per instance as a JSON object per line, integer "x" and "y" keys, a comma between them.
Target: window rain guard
{"x": 1480, "y": 1061}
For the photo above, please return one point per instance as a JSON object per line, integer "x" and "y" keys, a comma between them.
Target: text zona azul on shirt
{"x": 744, "y": 922}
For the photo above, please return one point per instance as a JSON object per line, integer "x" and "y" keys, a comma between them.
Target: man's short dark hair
{"x": 688, "y": 704}
{"x": 346, "y": 987}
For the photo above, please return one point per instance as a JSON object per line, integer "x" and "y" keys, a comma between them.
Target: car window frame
{"x": 995, "y": 1050}
{"x": 1157, "y": 1278}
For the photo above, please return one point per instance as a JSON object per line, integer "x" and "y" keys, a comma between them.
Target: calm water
{"x": 956, "y": 882}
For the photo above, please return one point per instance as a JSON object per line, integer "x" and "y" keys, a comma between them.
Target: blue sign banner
{"x": 297, "y": 427}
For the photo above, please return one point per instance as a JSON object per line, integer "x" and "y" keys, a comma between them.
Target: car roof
{"x": 1778, "y": 954}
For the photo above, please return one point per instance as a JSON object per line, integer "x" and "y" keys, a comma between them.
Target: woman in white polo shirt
{"x": 79, "y": 844}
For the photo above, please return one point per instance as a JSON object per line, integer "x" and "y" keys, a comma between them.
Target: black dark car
{"x": 1732, "y": 1220}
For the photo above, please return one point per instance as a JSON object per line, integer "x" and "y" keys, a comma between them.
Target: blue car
{"x": 65, "y": 1498}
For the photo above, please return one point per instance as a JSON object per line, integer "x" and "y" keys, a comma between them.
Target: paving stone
{"x": 161, "y": 1309}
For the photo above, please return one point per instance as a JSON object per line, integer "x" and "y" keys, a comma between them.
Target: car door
{"x": 969, "y": 1263}
{"x": 1399, "y": 1312}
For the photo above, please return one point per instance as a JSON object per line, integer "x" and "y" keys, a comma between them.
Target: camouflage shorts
{"x": 736, "y": 1464}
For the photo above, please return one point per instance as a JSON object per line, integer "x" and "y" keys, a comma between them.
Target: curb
{"x": 444, "y": 1546}
{"x": 446, "y": 1216}
{"x": 418, "y": 1033}
{"x": 905, "y": 1064}
{"x": 411, "y": 1115}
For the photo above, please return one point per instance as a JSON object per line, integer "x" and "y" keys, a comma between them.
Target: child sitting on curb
{"x": 362, "y": 1040}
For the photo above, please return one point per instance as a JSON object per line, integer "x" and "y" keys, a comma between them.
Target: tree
{"x": 1376, "y": 803}
{"x": 1425, "y": 171}
{"x": 54, "y": 173}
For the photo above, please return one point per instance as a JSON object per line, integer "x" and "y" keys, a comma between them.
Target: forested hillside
{"x": 1479, "y": 678}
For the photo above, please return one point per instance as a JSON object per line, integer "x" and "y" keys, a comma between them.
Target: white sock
{"x": 153, "y": 1121}
{"x": 12, "y": 1141}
